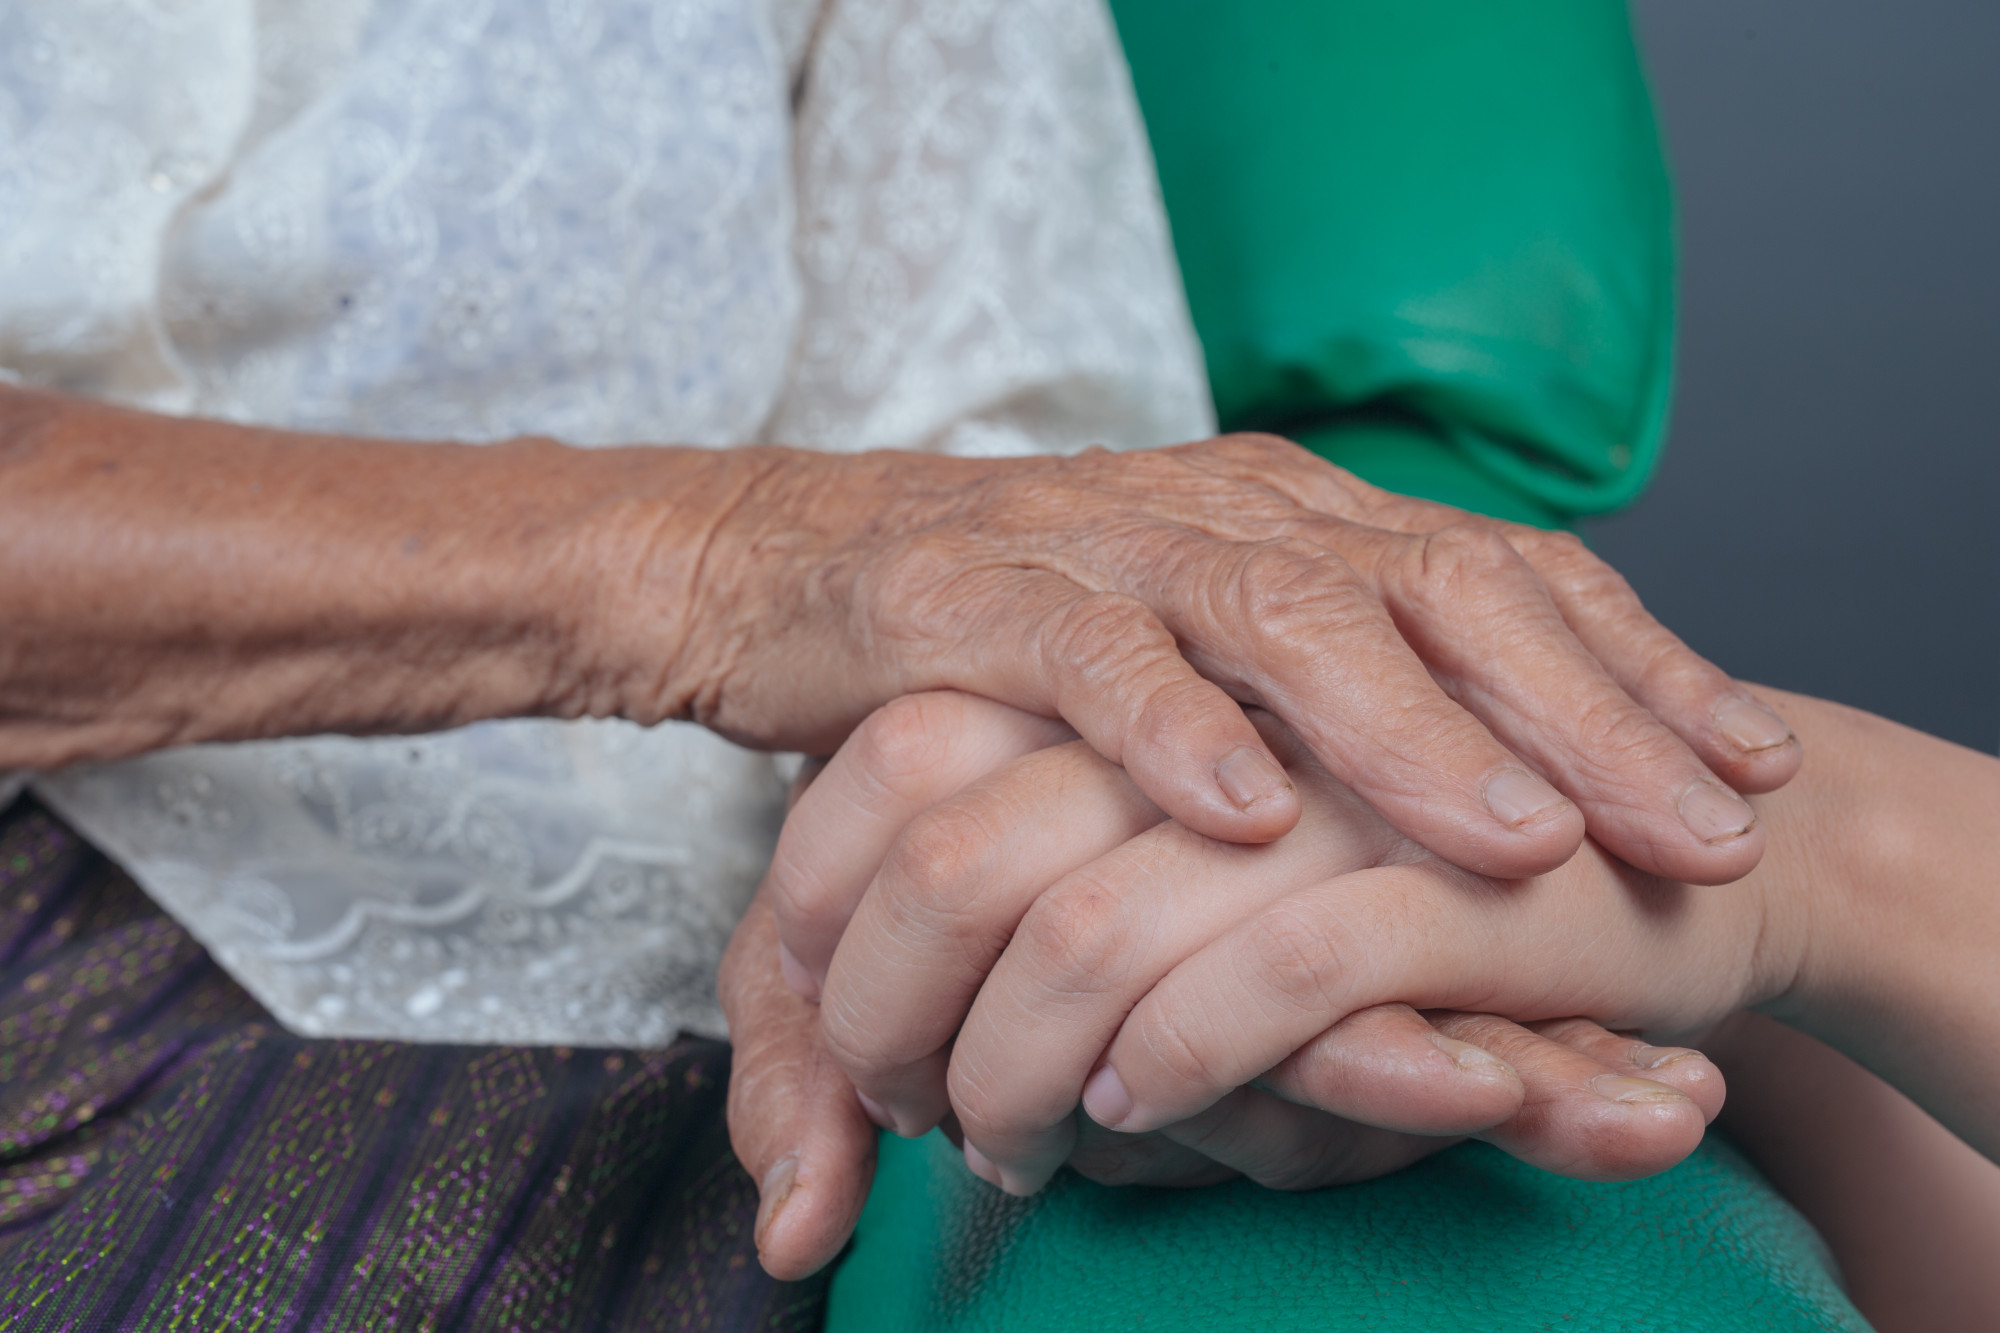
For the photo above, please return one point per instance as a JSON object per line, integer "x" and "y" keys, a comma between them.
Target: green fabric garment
{"x": 1451, "y": 209}
{"x": 1469, "y": 1239}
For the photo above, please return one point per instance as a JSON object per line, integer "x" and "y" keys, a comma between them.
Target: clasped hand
{"x": 998, "y": 926}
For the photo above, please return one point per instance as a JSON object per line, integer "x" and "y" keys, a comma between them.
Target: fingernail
{"x": 1474, "y": 1060}
{"x": 772, "y": 1193}
{"x": 1619, "y": 1088}
{"x": 1515, "y": 796}
{"x": 982, "y": 1165}
{"x": 1248, "y": 776}
{"x": 1105, "y": 1098}
{"x": 1751, "y": 726}
{"x": 876, "y": 1112}
{"x": 1714, "y": 815}
{"x": 796, "y": 976}
{"x": 1659, "y": 1057}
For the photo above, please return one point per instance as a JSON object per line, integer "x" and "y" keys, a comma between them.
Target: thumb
{"x": 793, "y": 1117}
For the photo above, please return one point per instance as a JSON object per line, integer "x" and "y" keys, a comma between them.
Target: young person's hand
{"x": 804, "y": 1135}
{"x": 1569, "y": 1096}
{"x": 952, "y": 839}
{"x": 1172, "y": 970}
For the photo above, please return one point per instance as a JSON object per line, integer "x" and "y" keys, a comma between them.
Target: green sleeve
{"x": 1430, "y": 239}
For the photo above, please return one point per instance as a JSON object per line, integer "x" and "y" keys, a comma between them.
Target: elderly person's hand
{"x": 166, "y": 581}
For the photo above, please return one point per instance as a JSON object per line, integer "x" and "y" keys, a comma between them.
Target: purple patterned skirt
{"x": 172, "y": 1159}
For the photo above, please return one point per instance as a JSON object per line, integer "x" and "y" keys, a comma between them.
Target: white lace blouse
{"x": 923, "y": 224}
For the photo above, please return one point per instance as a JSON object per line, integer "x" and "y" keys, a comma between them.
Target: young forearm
{"x": 166, "y": 581}
{"x": 1885, "y": 865}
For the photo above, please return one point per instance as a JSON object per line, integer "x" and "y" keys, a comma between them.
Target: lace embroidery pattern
{"x": 982, "y": 239}
{"x": 521, "y": 877}
{"x": 472, "y": 219}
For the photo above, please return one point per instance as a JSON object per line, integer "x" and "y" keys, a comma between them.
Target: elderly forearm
{"x": 166, "y": 581}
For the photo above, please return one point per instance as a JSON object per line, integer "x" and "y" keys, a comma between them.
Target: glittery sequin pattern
{"x": 171, "y": 1159}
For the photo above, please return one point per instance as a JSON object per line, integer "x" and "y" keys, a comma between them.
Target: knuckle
{"x": 800, "y": 894}
{"x": 1622, "y": 738}
{"x": 987, "y": 1106}
{"x": 937, "y": 856}
{"x": 932, "y": 882}
{"x": 908, "y": 737}
{"x": 1575, "y": 571}
{"x": 1108, "y": 651}
{"x": 1106, "y": 628}
{"x": 1257, "y": 448}
{"x": 1464, "y": 555}
{"x": 1182, "y": 1055}
{"x": 907, "y": 589}
{"x": 974, "y": 1100}
{"x": 1553, "y": 548}
{"x": 1078, "y": 937}
{"x": 1664, "y": 665}
{"x": 868, "y": 1045}
{"x": 1295, "y": 957}
{"x": 860, "y": 1049}
{"x": 1167, "y": 712}
{"x": 1287, "y": 585}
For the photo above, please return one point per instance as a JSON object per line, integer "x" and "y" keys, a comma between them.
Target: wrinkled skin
{"x": 1421, "y": 654}
{"x": 1494, "y": 691}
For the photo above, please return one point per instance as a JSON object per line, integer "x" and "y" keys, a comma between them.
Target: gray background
{"x": 1827, "y": 516}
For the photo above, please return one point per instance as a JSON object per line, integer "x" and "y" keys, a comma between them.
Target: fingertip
{"x": 1245, "y": 797}
{"x": 1758, "y": 773}
{"x": 1722, "y": 861}
{"x": 789, "y": 1233}
{"x": 1106, "y": 1100}
{"x": 1009, "y": 1179}
{"x": 1251, "y": 780}
{"x": 1708, "y": 836}
{"x": 1687, "y": 1071}
{"x": 1655, "y": 1127}
{"x": 981, "y": 1165}
{"x": 1538, "y": 827}
{"x": 1533, "y": 846}
{"x": 1743, "y": 740}
{"x": 807, "y": 1206}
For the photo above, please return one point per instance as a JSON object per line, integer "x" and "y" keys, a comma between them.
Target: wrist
{"x": 670, "y": 564}
{"x": 1883, "y": 860}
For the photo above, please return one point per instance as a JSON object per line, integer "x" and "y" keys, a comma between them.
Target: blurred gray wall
{"x": 1827, "y": 516}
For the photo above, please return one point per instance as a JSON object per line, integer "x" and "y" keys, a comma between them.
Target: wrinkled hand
{"x": 1446, "y": 667}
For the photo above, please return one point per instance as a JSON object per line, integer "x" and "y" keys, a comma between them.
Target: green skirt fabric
{"x": 1469, "y": 1239}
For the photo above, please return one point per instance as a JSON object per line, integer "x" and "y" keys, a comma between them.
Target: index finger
{"x": 1429, "y": 937}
